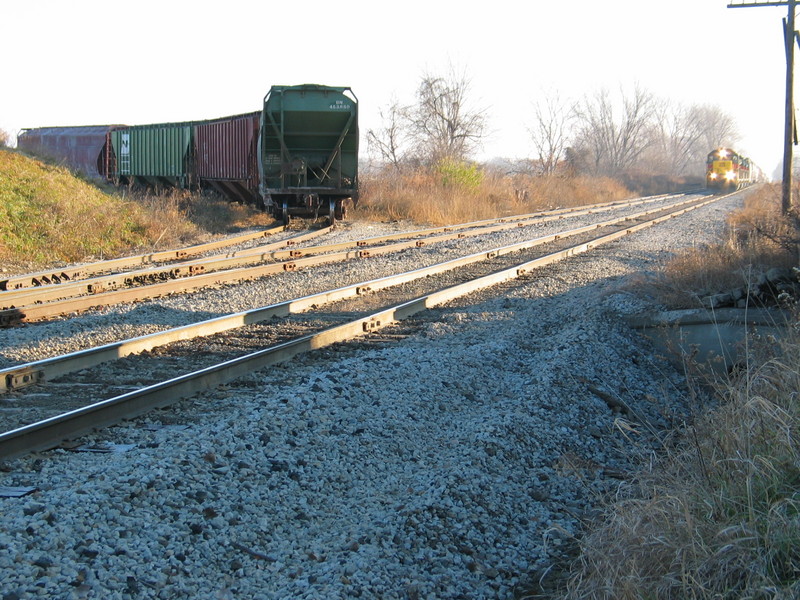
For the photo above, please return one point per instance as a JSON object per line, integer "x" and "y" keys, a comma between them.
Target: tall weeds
{"x": 718, "y": 516}
{"x": 758, "y": 238}
{"x": 438, "y": 197}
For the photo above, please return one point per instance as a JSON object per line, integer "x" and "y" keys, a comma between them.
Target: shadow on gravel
{"x": 50, "y": 336}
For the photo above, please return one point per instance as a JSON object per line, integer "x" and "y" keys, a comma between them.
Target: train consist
{"x": 726, "y": 170}
{"x": 297, "y": 156}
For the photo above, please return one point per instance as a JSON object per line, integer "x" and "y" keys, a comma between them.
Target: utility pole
{"x": 788, "y": 135}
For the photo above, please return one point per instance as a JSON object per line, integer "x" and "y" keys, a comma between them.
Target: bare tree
{"x": 442, "y": 124}
{"x": 5, "y": 139}
{"x": 615, "y": 143}
{"x": 550, "y": 131}
{"x": 719, "y": 127}
{"x": 683, "y": 135}
{"x": 678, "y": 133}
{"x": 389, "y": 142}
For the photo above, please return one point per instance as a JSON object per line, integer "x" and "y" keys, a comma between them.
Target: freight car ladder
{"x": 108, "y": 168}
{"x": 124, "y": 158}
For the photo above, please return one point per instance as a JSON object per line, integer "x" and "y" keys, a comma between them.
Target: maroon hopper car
{"x": 226, "y": 156}
{"x": 85, "y": 148}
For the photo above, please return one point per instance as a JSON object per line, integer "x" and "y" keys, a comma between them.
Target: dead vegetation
{"x": 48, "y": 215}
{"x": 716, "y": 514}
{"x": 758, "y": 238}
{"x": 428, "y": 196}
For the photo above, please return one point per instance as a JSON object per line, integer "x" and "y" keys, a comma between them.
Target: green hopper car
{"x": 154, "y": 155}
{"x": 309, "y": 151}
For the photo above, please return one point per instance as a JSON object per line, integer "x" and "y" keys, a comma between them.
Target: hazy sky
{"x": 82, "y": 62}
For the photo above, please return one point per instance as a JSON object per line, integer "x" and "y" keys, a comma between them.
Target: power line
{"x": 752, "y": 4}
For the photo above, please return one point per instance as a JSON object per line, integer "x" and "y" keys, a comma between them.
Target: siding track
{"x": 73, "y": 294}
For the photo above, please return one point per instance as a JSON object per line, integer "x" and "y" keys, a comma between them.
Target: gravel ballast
{"x": 452, "y": 464}
{"x": 42, "y": 340}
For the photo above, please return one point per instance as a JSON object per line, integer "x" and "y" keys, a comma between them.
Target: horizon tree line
{"x": 600, "y": 134}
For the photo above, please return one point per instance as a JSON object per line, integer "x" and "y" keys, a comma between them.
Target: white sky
{"x": 83, "y": 62}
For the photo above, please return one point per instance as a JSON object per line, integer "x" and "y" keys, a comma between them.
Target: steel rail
{"x": 486, "y": 226}
{"x": 51, "y": 432}
{"x": 235, "y": 272}
{"x": 508, "y": 221}
{"x": 71, "y": 273}
{"x": 34, "y": 312}
{"x": 74, "y": 286}
{"x": 20, "y": 376}
{"x": 96, "y": 285}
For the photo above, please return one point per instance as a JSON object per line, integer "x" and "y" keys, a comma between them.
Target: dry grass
{"x": 179, "y": 217}
{"x": 422, "y": 198}
{"x": 757, "y": 239}
{"x": 717, "y": 516}
{"x": 49, "y": 216}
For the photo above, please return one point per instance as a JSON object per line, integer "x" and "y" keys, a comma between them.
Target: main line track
{"x": 21, "y": 376}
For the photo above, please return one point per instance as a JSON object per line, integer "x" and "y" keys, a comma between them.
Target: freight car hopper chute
{"x": 309, "y": 151}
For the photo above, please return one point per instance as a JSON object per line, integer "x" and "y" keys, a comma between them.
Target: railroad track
{"x": 26, "y": 304}
{"x": 77, "y": 272}
{"x": 55, "y": 297}
{"x": 341, "y": 314}
{"x": 71, "y": 273}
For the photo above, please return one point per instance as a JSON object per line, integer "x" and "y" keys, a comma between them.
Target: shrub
{"x": 454, "y": 173}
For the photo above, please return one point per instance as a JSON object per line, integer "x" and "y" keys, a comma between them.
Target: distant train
{"x": 297, "y": 156}
{"x": 726, "y": 170}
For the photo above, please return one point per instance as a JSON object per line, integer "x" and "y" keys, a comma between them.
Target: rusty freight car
{"x": 86, "y": 149}
{"x": 226, "y": 156}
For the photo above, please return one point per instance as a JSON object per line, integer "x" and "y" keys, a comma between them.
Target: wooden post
{"x": 788, "y": 137}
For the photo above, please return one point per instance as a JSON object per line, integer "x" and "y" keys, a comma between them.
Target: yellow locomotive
{"x": 726, "y": 170}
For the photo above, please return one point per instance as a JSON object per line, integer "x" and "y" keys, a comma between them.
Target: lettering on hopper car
{"x": 339, "y": 105}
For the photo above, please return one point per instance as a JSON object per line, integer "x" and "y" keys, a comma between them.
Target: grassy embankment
{"x": 49, "y": 216}
{"x": 717, "y": 515}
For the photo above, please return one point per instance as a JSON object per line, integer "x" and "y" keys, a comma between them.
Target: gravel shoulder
{"x": 453, "y": 464}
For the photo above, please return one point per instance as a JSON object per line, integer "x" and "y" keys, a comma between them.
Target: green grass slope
{"x": 48, "y": 215}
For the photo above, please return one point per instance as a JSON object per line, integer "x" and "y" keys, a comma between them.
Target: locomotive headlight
{"x": 730, "y": 175}
{"x": 712, "y": 176}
